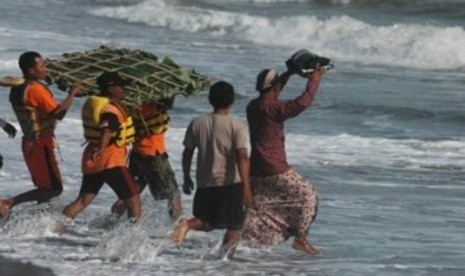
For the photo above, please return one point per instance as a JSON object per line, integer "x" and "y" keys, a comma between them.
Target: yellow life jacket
{"x": 33, "y": 122}
{"x": 154, "y": 124}
{"x": 91, "y": 111}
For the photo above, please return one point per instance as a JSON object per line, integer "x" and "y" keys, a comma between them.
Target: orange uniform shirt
{"x": 38, "y": 96}
{"x": 151, "y": 145}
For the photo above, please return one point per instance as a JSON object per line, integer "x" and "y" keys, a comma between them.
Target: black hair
{"x": 27, "y": 61}
{"x": 221, "y": 95}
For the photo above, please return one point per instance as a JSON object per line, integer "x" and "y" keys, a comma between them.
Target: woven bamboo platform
{"x": 152, "y": 79}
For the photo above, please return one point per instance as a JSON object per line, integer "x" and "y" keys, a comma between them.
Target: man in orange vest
{"x": 104, "y": 158}
{"x": 37, "y": 112}
{"x": 149, "y": 161}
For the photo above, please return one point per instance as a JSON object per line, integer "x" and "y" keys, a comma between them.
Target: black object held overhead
{"x": 303, "y": 62}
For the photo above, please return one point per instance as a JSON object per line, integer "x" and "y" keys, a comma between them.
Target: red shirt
{"x": 266, "y": 126}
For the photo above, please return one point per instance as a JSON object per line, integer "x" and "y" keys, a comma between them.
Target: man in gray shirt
{"x": 222, "y": 173}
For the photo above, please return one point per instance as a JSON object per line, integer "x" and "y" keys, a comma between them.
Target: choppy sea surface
{"x": 383, "y": 143}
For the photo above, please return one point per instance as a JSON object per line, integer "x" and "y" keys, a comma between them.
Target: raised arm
{"x": 291, "y": 108}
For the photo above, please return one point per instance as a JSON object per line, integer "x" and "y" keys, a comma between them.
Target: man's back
{"x": 216, "y": 137}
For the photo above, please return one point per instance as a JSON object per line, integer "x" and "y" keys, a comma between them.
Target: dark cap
{"x": 111, "y": 78}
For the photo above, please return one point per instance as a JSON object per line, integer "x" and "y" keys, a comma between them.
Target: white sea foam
{"x": 8, "y": 65}
{"x": 13, "y": 42}
{"x": 10, "y": 36}
{"x": 341, "y": 37}
{"x": 349, "y": 150}
{"x": 356, "y": 151}
{"x": 338, "y": 150}
{"x": 146, "y": 249}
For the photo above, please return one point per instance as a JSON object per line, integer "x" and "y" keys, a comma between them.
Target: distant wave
{"x": 355, "y": 151}
{"x": 417, "y": 7}
{"x": 341, "y": 37}
{"x": 12, "y": 37}
{"x": 349, "y": 150}
{"x": 8, "y": 64}
{"x": 401, "y": 112}
{"x": 451, "y": 7}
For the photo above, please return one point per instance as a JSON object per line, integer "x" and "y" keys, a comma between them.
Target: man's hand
{"x": 77, "y": 91}
{"x": 317, "y": 73}
{"x": 10, "y": 129}
{"x": 188, "y": 186}
{"x": 97, "y": 154}
{"x": 248, "y": 200}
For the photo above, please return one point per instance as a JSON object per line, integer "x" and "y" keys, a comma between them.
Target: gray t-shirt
{"x": 216, "y": 137}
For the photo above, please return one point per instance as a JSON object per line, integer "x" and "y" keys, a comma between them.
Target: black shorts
{"x": 118, "y": 178}
{"x": 221, "y": 207}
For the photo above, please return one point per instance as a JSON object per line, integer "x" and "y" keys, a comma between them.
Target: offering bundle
{"x": 152, "y": 79}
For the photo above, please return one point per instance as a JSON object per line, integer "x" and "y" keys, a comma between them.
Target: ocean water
{"x": 383, "y": 143}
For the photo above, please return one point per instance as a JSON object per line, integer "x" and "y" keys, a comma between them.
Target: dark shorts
{"x": 221, "y": 207}
{"x": 118, "y": 178}
{"x": 155, "y": 171}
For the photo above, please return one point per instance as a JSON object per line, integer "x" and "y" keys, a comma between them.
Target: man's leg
{"x": 230, "y": 241}
{"x": 40, "y": 195}
{"x": 78, "y": 205}
{"x": 134, "y": 207}
{"x": 91, "y": 185}
{"x": 124, "y": 186}
{"x": 40, "y": 160}
{"x": 175, "y": 207}
{"x": 162, "y": 183}
{"x": 185, "y": 225}
{"x": 73, "y": 209}
{"x": 119, "y": 207}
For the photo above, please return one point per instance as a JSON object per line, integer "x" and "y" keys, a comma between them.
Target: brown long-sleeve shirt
{"x": 266, "y": 118}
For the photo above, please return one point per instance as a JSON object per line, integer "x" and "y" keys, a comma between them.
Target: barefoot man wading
{"x": 222, "y": 171}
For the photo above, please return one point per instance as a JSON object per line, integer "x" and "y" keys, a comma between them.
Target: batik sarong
{"x": 286, "y": 206}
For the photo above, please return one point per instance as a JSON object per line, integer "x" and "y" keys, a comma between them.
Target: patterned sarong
{"x": 287, "y": 206}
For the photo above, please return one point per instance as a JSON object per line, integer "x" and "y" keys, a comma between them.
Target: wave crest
{"x": 340, "y": 37}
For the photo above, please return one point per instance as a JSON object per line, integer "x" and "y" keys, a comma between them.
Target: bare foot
{"x": 118, "y": 208}
{"x": 5, "y": 207}
{"x": 305, "y": 246}
{"x": 180, "y": 232}
{"x": 59, "y": 228}
{"x": 62, "y": 224}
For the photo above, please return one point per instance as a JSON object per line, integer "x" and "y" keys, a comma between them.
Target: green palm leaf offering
{"x": 152, "y": 79}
